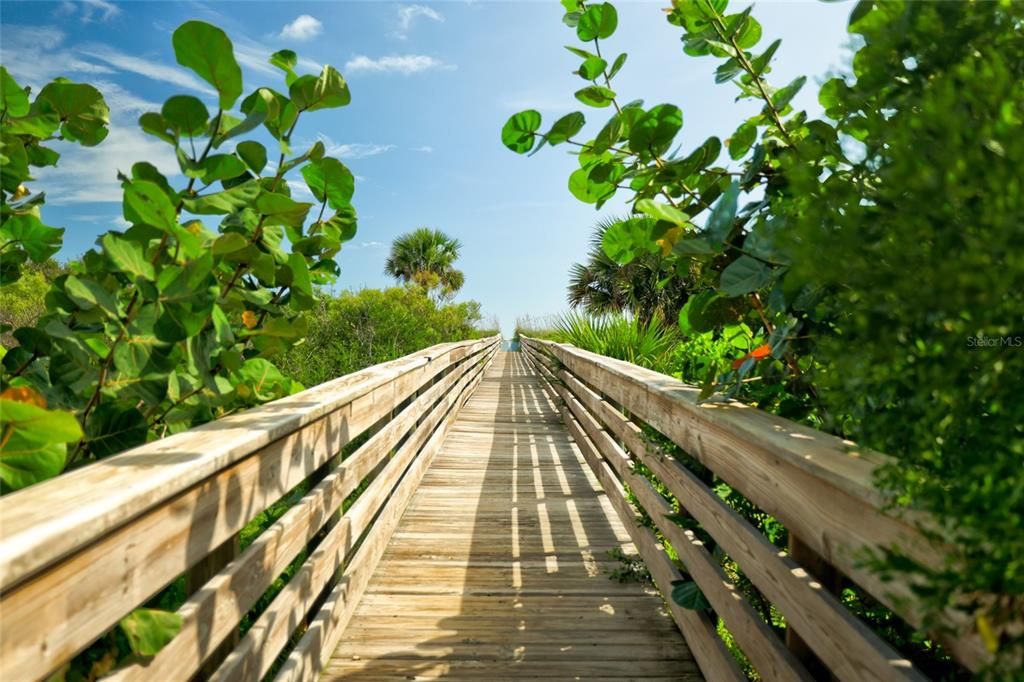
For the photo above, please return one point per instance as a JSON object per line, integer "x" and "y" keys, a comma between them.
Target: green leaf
{"x": 664, "y": 212}
{"x": 653, "y": 131}
{"x": 329, "y": 179}
{"x": 50, "y": 426}
{"x": 221, "y": 203}
{"x": 87, "y": 295}
{"x": 13, "y": 99}
{"x": 687, "y": 594}
{"x": 784, "y": 95}
{"x": 149, "y": 630}
{"x": 253, "y": 154}
{"x": 81, "y": 108}
{"x": 627, "y": 239}
{"x": 311, "y": 93}
{"x": 760, "y": 62}
{"x": 220, "y": 167}
{"x": 596, "y": 96}
{"x": 583, "y": 54}
{"x": 587, "y": 190}
{"x": 158, "y": 126}
{"x": 693, "y": 247}
{"x": 519, "y": 132}
{"x": 742, "y": 139}
{"x": 592, "y": 68}
{"x": 146, "y": 202}
{"x": 743, "y": 275}
{"x": 619, "y": 62}
{"x": 599, "y": 21}
{"x": 25, "y": 461}
{"x": 720, "y": 222}
{"x": 282, "y": 210}
{"x": 565, "y": 127}
{"x": 229, "y": 243}
{"x": 113, "y": 428}
{"x": 28, "y": 232}
{"x": 186, "y": 113}
{"x": 207, "y": 50}
{"x": 286, "y": 61}
{"x": 127, "y": 256}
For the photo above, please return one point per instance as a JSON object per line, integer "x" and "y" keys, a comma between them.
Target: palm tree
{"x": 426, "y": 258}
{"x": 601, "y": 286}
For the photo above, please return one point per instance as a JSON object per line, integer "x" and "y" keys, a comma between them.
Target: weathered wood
{"x": 268, "y": 636}
{"x": 212, "y": 613}
{"x": 820, "y": 487}
{"x": 316, "y": 646}
{"x": 758, "y": 641}
{"x": 54, "y": 518}
{"x": 497, "y": 569}
{"x": 850, "y": 648}
{"x": 74, "y": 599}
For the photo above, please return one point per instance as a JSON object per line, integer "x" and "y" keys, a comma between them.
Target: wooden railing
{"x": 818, "y": 486}
{"x": 82, "y": 551}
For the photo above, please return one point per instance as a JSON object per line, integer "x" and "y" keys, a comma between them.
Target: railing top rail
{"x": 841, "y": 462}
{"x": 47, "y": 521}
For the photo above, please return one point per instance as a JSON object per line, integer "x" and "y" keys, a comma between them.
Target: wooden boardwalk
{"x": 500, "y": 568}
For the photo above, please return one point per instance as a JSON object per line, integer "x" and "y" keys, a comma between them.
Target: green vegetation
{"x": 175, "y": 320}
{"x": 426, "y": 258}
{"x": 644, "y": 287}
{"x": 865, "y": 267}
{"x": 361, "y": 328}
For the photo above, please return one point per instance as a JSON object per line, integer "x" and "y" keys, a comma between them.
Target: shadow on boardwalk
{"x": 500, "y": 567}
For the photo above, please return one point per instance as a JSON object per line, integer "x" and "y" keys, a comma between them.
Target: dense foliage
{"x": 644, "y": 287}
{"x": 866, "y": 265}
{"x": 357, "y": 329}
{"x": 426, "y": 258}
{"x": 173, "y": 321}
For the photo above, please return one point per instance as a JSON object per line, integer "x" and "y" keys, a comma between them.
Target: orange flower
{"x": 759, "y": 353}
{"x": 249, "y": 319}
{"x": 24, "y": 394}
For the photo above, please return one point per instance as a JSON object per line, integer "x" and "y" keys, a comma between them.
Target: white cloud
{"x": 303, "y": 28}
{"x": 90, "y": 174}
{"x": 120, "y": 100}
{"x": 255, "y": 56}
{"x": 105, "y": 10}
{"x": 365, "y": 245}
{"x": 407, "y": 14}
{"x": 425, "y": 149}
{"x": 33, "y": 56}
{"x": 144, "y": 67}
{"x": 353, "y": 150}
{"x": 403, "y": 64}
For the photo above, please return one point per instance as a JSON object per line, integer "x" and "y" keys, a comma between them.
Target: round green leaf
{"x": 186, "y": 113}
{"x": 329, "y": 179}
{"x": 253, "y": 154}
{"x": 742, "y": 139}
{"x": 519, "y": 132}
{"x": 113, "y": 429}
{"x": 596, "y": 96}
{"x": 13, "y": 99}
{"x": 207, "y": 50}
{"x": 127, "y": 256}
{"x": 743, "y": 275}
{"x": 654, "y": 131}
{"x": 81, "y": 107}
{"x": 592, "y": 68}
{"x": 565, "y": 127}
{"x": 599, "y": 21}
{"x": 149, "y": 630}
{"x": 329, "y": 90}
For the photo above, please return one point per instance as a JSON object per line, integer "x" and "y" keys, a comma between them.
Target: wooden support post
{"x": 831, "y": 581}
{"x": 198, "y": 576}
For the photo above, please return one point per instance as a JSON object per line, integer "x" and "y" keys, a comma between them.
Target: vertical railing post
{"x": 831, "y": 581}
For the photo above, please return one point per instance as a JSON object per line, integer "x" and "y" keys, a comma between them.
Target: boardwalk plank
{"x": 500, "y": 568}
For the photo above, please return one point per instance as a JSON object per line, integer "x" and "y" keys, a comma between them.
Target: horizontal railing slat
{"x": 820, "y": 487}
{"x": 213, "y": 612}
{"x": 313, "y": 651}
{"x": 714, "y": 659}
{"x": 144, "y": 517}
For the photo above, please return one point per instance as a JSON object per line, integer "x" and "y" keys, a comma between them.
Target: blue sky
{"x": 432, "y": 84}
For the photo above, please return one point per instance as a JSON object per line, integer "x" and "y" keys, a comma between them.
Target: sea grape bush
{"x": 855, "y": 253}
{"x": 175, "y": 320}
